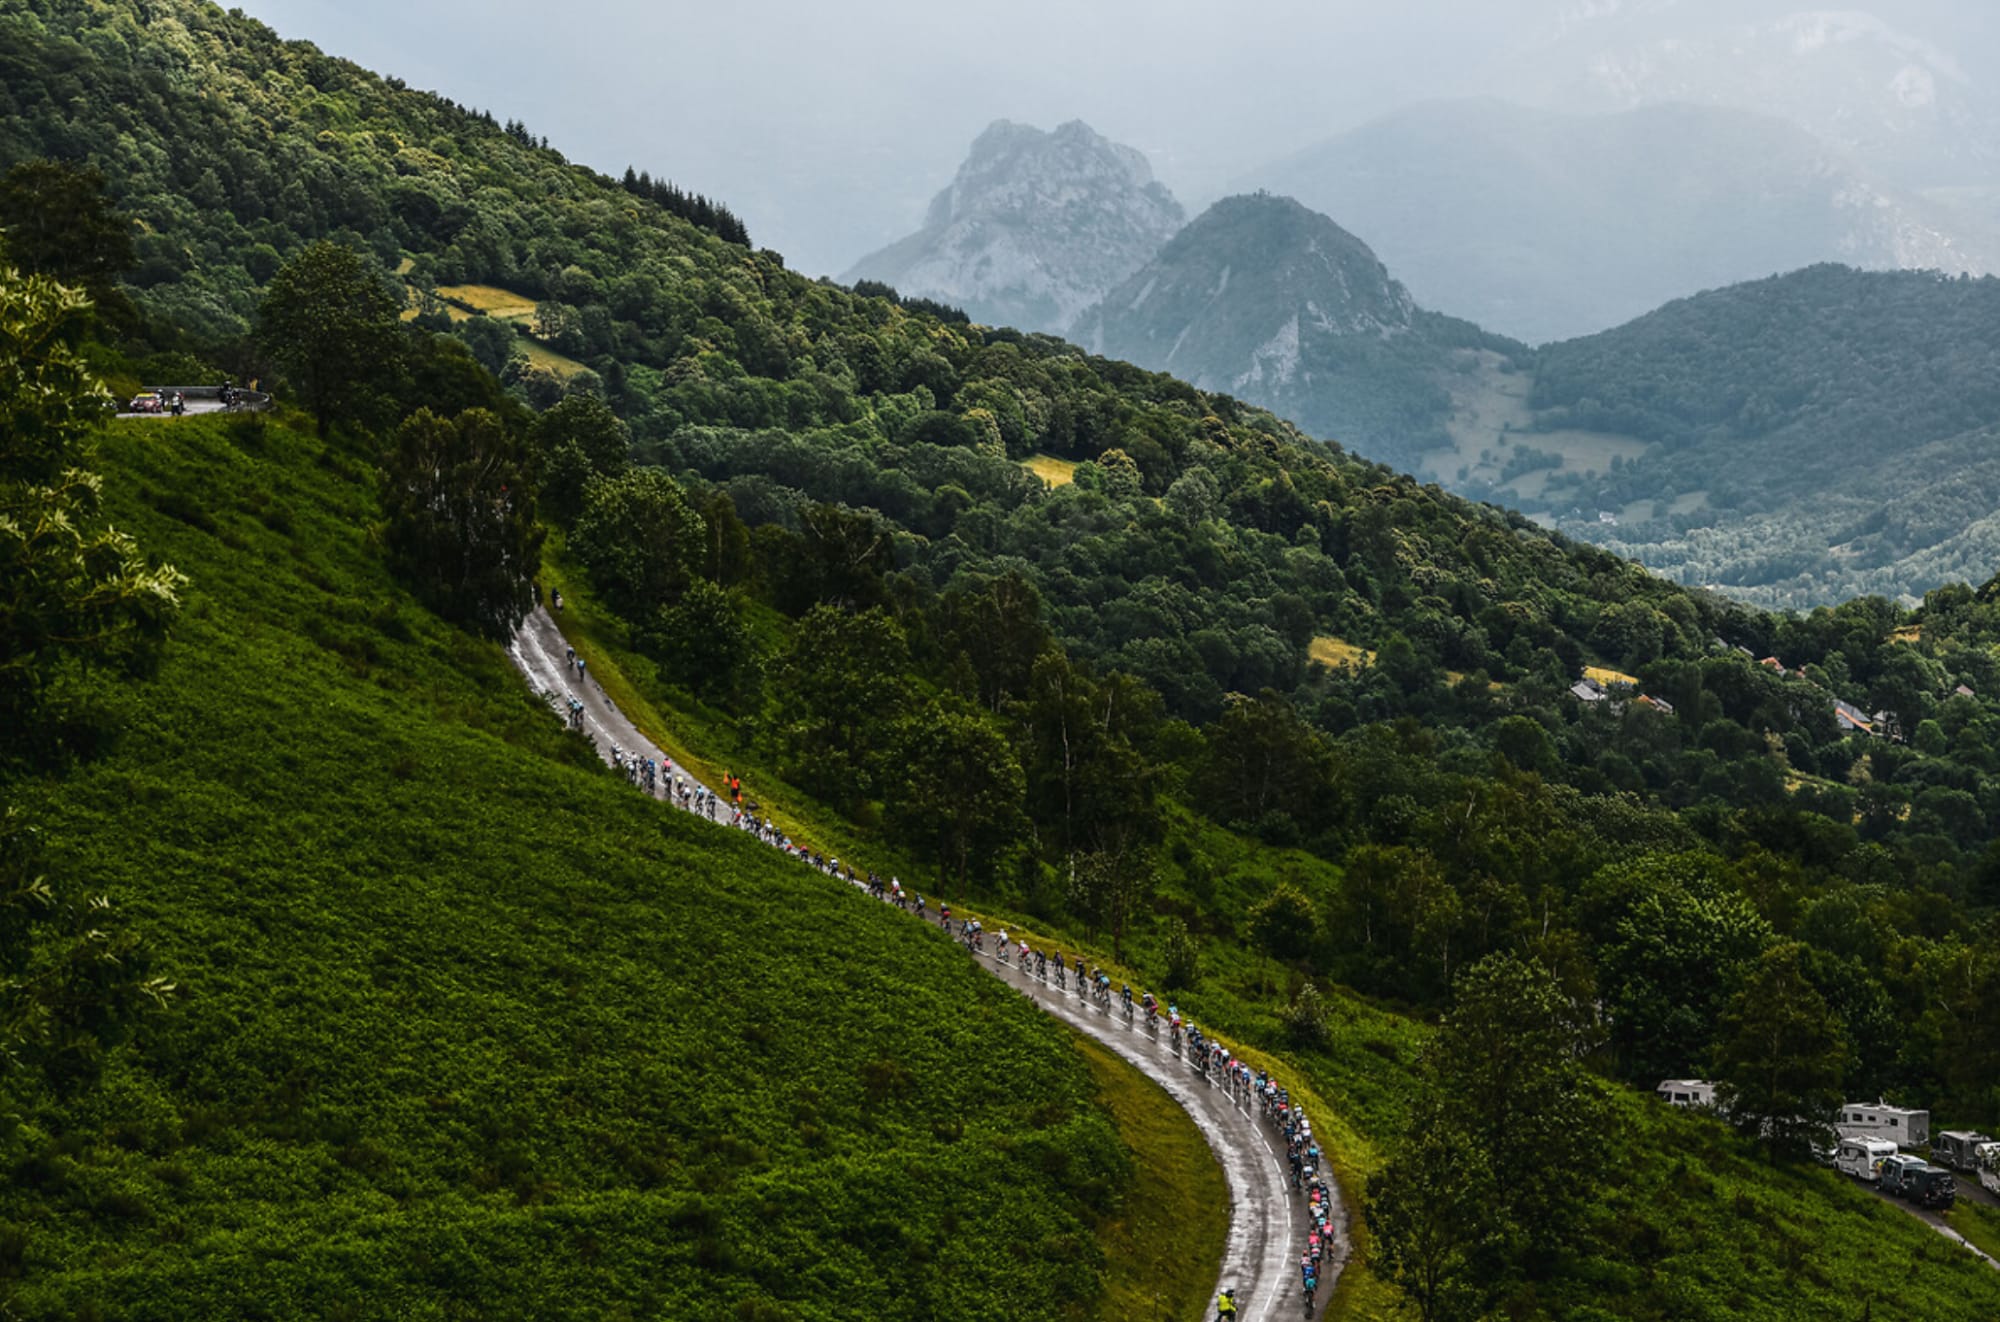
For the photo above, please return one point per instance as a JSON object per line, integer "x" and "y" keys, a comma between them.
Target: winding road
{"x": 1267, "y": 1221}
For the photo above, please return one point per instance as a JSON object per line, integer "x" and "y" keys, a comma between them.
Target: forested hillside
{"x": 1837, "y": 425}
{"x": 1138, "y": 663}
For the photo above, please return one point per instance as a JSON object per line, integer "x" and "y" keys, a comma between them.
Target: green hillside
{"x": 796, "y": 524}
{"x": 468, "y": 1028}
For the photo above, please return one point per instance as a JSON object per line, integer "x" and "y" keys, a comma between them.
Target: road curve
{"x": 1267, "y": 1221}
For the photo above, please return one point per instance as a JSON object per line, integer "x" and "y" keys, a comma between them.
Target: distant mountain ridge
{"x": 1547, "y": 225}
{"x": 1033, "y": 229}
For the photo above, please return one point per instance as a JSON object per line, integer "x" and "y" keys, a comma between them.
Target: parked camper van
{"x": 1686, "y": 1092}
{"x": 1901, "y": 1126}
{"x": 1862, "y": 1157}
{"x": 1958, "y": 1149}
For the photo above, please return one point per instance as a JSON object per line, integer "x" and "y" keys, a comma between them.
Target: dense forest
{"x": 1211, "y": 692}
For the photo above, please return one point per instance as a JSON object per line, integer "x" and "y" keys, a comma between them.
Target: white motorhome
{"x": 1686, "y": 1092}
{"x": 1900, "y": 1125}
{"x": 1862, "y": 1157}
{"x": 1989, "y": 1167}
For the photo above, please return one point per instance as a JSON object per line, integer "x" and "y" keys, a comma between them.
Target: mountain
{"x": 1547, "y": 225}
{"x": 1891, "y": 89}
{"x": 1034, "y": 228}
{"x": 1262, "y": 298}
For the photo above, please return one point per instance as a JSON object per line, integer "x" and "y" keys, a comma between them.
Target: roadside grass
{"x": 1979, "y": 1223}
{"x": 467, "y": 1027}
{"x": 1162, "y": 1246}
{"x": 1052, "y": 470}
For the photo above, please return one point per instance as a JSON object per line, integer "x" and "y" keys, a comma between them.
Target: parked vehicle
{"x": 1989, "y": 1167}
{"x": 1895, "y": 1169}
{"x": 1958, "y": 1148}
{"x": 1862, "y": 1157}
{"x": 1906, "y": 1127}
{"x": 1931, "y": 1187}
{"x": 147, "y": 402}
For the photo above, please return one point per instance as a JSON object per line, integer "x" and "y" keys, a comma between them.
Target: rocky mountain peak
{"x": 1034, "y": 227}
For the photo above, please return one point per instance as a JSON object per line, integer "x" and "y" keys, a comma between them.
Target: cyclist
{"x": 944, "y": 916}
{"x": 1225, "y": 1306}
{"x": 1024, "y": 952}
{"x": 1125, "y": 990}
{"x": 1152, "y": 1004}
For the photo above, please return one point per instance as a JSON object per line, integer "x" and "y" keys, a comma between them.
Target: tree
{"x": 1183, "y": 956}
{"x": 1430, "y": 1212}
{"x": 58, "y": 223}
{"x": 461, "y": 526}
{"x": 639, "y": 540}
{"x": 1504, "y": 1071}
{"x": 1672, "y": 960}
{"x": 329, "y": 321}
{"x": 1106, "y": 888}
{"x": 1261, "y": 759}
{"x": 998, "y": 625}
{"x": 1305, "y": 1018}
{"x": 960, "y": 790}
{"x": 1284, "y": 922}
{"x": 1780, "y": 1056}
{"x": 839, "y": 560}
{"x": 72, "y": 980}
{"x": 702, "y": 643}
{"x": 840, "y": 689}
{"x": 577, "y": 440}
{"x": 77, "y": 595}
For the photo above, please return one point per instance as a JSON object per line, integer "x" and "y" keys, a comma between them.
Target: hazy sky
{"x": 828, "y": 126}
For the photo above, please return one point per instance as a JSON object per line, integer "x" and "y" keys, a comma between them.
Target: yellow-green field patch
{"x": 490, "y": 299}
{"x": 1610, "y": 678}
{"x": 540, "y": 355}
{"x": 1338, "y": 653}
{"x": 1055, "y": 472}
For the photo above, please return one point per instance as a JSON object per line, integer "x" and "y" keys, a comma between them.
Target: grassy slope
{"x": 1179, "y": 1202}
{"x": 471, "y": 1030}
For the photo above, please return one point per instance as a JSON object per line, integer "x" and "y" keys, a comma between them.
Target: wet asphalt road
{"x": 1267, "y": 1221}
